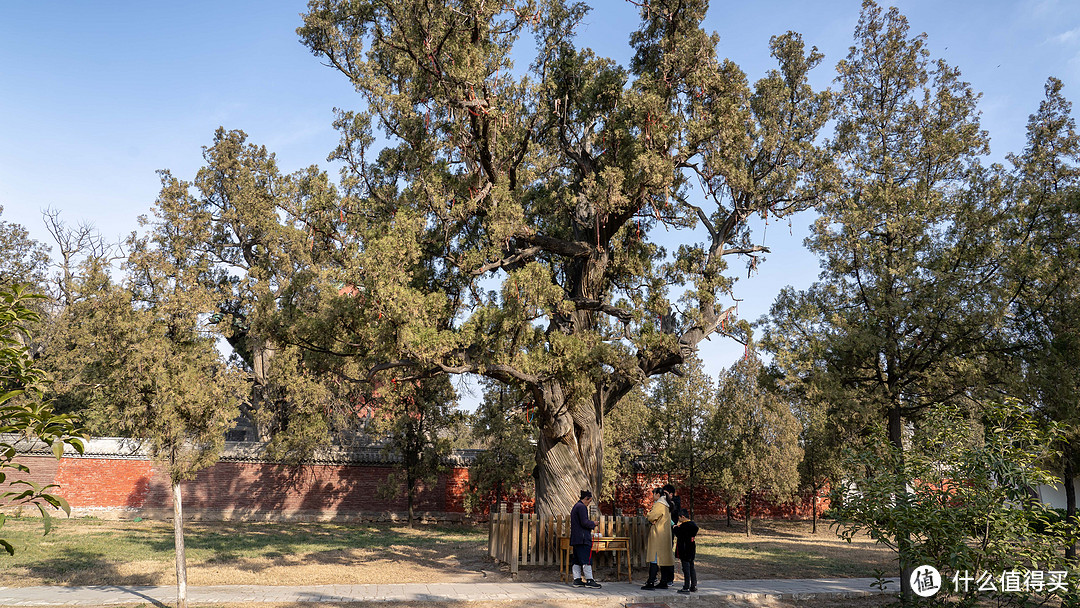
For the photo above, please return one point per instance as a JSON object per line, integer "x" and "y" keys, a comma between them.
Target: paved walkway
{"x": 434, "y": 592}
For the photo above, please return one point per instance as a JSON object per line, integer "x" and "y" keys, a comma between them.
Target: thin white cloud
{"x": 1070, "y": 37}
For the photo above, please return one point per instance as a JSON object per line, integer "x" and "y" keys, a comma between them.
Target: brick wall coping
{"x": 121, "y": 448}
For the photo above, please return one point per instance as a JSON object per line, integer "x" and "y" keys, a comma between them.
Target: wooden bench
{"x": 614, "y": 544}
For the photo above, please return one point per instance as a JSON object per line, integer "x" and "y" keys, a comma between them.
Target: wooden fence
{"x": 524, "y": 539}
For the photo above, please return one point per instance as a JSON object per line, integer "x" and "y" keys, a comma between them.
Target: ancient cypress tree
{"x": 504, "y": 222}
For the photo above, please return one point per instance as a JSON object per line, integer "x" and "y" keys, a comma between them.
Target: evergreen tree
{"x": 245, "y": 219}
{"x": 504, "y": 427}
{"x": 625, "y": 448}
{"x": 414, "y": 419}
{"x": 551, "y": 185}
{"x": 679, "y": 408}
{"x": 755, "y": 436}
{"x": 908, "y": 309}
{"x": 1046, "y": 272}
{"x": 152, "y": 366}
{"x": 821, "y": 466}
{"x": 23, "y": 261}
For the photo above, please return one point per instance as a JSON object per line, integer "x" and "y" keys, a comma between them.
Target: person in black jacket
{"x": 581, "y": 542}
{"x": 686, "y": 550}
{"x": 674, "y": 501}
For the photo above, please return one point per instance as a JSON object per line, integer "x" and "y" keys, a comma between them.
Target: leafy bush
{"x": 23, "y": 413}
{"x": 957, "y": 499}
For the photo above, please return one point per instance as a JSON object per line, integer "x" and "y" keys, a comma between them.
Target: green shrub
{"x": 957, "y": 498}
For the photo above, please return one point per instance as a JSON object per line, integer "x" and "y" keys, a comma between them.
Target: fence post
{"x": 515, "y": 540}
{"x": 493, "y": 512}
{"x": 504, "y": 529}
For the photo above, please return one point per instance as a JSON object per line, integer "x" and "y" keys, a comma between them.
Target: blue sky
{"x": 97, "y": 96}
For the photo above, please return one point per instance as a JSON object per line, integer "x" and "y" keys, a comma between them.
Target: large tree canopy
{"x": 22, "y": 259}
{"x": 1046, "y": 187}
{"x": 505, "y": 222}
{"x": 909, "y": 302}
{"x": 242, "y": 216}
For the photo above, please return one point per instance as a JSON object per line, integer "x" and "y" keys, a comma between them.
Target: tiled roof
{"x": 235, "y": 451}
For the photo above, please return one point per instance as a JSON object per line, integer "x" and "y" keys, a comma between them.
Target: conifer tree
{"x": 152, "y": 366}
{"x": 508, "y": 227}
{"x": 23, "y": 261}
{"x": 908, "y": 309}
{"x": 504, "y": 427}
{"x": 755, "y": 437}
{"x": 413, "y": 420}
{"x": 244, "y": 218}
{"x": 679, "y": 410}
{"x": 1045, "y": 189}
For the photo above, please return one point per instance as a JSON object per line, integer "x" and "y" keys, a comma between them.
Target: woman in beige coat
{"x": 658, "y": 549}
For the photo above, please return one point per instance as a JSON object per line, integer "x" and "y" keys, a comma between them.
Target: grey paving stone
{"x": 616, "y": 591}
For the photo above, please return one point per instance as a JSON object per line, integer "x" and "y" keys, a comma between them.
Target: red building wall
{"x": 101, "y": 482}
{"x": 637, "y": 494}
{"x": 259, "y": 490}
{"x": 249, "y": 490}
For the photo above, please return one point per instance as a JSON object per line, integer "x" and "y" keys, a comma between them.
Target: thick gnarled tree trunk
{"x": 569, "y": 453}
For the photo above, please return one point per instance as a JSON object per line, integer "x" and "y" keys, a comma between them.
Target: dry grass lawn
{"x": 96, "y": 552}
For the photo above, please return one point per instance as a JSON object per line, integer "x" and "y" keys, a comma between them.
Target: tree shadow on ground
{"x": 442, "y": 557}
{"x": 79, "y": 567}
{"x": 762, "y": 528}
{"x": 228, "y": 542}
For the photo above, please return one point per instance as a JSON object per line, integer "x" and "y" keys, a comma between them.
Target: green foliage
{"x": 673, "y": 443}
{"x": 912, "y": 244}
{"x": 821, "y": 466}
{"x": 504, "y": 427}
{"x": 678, "y": 408}
{"x": 508, "y": 226}
{"x": 22, "y": 259}
{"x": 754, "y": 435}
{"x": 251, "y": 228}
{"x": 413, "y": 419}
{"x": 624, "y": 443}
{"x": 24, "y": 414}
{"x": 138, "y": 359}
{"x": 966, "y": 506}
{"x": 1045, "y": 187}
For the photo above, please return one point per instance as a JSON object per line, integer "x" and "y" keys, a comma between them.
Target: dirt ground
{"x": 777, "y": 550}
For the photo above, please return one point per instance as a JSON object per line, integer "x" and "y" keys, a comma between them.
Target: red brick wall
{"x": 264, "y": 490}
{"x": 630, "y": 496}
{"x": 94, "y": 482}
{"x": 242, "y": 489}
{"x": 42, "y": 471}
{"x": 332, "y": 490}
{"x": 457, "y": 484}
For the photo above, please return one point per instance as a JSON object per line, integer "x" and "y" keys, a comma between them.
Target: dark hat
{"x": 585, "y": 494}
